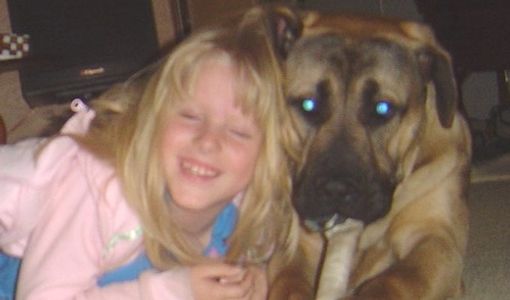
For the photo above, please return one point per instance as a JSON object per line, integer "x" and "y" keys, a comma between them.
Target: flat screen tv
{"x": 78, "y": 48}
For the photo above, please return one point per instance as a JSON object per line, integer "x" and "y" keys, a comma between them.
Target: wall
{"x": 12, "y": 105}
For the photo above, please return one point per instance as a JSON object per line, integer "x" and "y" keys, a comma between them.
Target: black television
{"x": 78, "y": 48}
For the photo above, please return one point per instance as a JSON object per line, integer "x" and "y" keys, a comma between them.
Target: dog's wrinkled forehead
{"x": 337, "y": 64}
{"x": 385, "y": 62}
{"x": 313, "y": 59}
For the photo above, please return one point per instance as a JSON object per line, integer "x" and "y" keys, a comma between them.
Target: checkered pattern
{"x": 13, "y": 46}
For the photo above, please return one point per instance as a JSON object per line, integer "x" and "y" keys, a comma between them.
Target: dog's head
{"x": 362, "y": 89}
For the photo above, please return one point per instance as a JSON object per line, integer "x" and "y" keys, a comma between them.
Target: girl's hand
{"x": 260, "y": 285}
{"x": 224, "y": 281}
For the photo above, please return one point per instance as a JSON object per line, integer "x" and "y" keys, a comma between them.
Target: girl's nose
{"x": 209, "y": 138}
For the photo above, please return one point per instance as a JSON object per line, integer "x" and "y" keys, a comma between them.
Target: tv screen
{"x": 78, "y": 48}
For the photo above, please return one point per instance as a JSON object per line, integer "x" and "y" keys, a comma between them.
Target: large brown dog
{"x": 385, "y": 145}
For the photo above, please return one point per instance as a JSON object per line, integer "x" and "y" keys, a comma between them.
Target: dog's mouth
{"x": 324, "y": 223}
{"x": 324, "y": 203}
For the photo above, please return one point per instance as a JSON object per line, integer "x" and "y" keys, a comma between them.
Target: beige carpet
{"x": 487, "y": 270}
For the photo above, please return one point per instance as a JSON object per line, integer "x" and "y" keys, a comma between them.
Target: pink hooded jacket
{"x": 63, "y": 211}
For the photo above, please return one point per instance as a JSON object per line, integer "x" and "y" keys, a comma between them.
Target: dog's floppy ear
{"x": 436, "y": 66}
{"x": 284, "y": 25}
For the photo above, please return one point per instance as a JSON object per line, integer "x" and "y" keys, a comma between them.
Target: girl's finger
{"x": 239, "y": 289}
{"x": 221, "y": 270}
{"x": 233, "y": 278}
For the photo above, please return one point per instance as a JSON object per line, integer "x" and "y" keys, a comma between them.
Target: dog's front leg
{"x": 432, "y": 270}
{"x": 295, "y": 279}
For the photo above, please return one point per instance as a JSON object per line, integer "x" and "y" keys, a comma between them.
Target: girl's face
{"x": 209, "y": 147}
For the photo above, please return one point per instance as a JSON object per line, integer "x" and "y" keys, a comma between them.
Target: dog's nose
{"x": 341, "y": 189}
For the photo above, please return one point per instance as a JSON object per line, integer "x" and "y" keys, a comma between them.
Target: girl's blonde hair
{"x": 127, "y": 133}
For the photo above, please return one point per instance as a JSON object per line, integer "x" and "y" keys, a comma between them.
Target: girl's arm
{"x": 19, "y": 207}
{"x": 78, "y": 210}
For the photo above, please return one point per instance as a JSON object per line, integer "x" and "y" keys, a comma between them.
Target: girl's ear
{"x": 284, "y": 26}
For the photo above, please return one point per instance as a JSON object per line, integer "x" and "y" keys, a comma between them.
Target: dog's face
{"x": 360, "y": 98}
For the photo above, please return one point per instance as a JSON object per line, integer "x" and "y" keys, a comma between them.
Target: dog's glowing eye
{"x": 383, "y": 108}
{"x": 312, "y": 108}
{"x": 309, "y": 105}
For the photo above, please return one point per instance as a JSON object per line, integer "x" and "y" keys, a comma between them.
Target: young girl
{"x": 174, "y": 188}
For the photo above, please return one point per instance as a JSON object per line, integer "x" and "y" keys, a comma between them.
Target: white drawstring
{"x": 80, "y": 121}
{"x": 77, "y": 105}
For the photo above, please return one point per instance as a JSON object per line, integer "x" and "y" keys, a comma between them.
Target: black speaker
{"x": 78, "y": 48}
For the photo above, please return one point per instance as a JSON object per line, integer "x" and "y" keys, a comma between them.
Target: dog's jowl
{"x": 376, "y": 103}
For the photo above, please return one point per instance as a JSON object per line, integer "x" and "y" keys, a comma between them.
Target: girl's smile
{"x": 198, "y": 169}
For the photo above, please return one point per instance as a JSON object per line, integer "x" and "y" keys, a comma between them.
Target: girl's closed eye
{"x": 242, "y": 128}
{"x": 189, "y": 115}
{"x": 241, "y": 133}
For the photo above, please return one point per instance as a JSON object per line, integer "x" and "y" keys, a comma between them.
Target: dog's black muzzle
{"x": 324, "y": 198}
